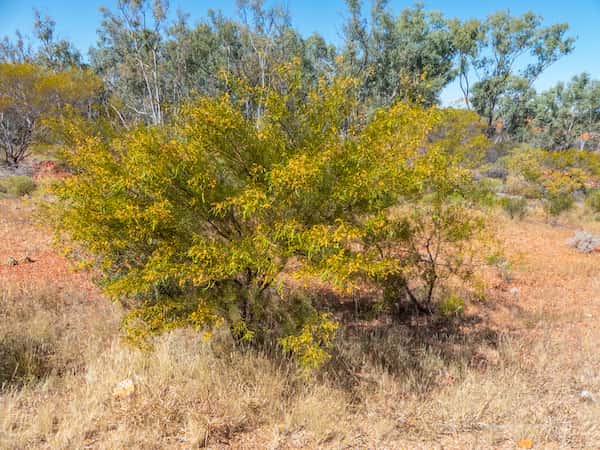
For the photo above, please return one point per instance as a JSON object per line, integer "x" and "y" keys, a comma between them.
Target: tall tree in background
{"x": 56, "y": 54}
{"x": 130, "y": 58}
{"x": 567, "y": 115}
{"x": 405, "y": 57}
{"x": 194, "y": 56}
{"x": 467, "y": 39}
{"x": 15, "y": 51}
{"x": 150, "y": 66}
{"x": 508, "y": 42}
{"x": 268, "y": 41}
{"x": 47, "y": 50}
{"x": 515, "y": 110}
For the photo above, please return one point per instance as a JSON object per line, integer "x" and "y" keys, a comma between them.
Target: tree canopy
{"x": 30, "y": 96}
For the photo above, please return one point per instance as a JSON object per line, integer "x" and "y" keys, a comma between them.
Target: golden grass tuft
{"x": 189, "y": 392}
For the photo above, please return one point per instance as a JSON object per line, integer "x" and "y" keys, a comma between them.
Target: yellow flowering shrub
{"x": 193, "y": 223}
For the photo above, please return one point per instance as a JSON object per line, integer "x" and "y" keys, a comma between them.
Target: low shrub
{"x": 49, "y": 331}
{"x": 17, "y": 185}
{"x": 23, "y": 359}
{"x": 555, "y": 205}
{"x": 515, "y": 207}
{"x": 593, "y": 201}
{"x": 497, "y": 172}
{"x": 452, "y": 306}
{"x": 199, "y": 218}
{"x": 518, "y": 186}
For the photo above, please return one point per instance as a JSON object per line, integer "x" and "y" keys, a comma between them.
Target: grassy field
{"x": 520, "y": 369}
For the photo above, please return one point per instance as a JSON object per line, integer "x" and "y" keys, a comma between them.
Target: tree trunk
{"x": 402, "y": 292}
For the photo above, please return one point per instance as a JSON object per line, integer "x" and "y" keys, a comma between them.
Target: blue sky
{"x": 78, "y": 21}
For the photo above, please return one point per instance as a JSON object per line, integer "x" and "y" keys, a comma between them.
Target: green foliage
{"x": 556, "y": 204}
{"x": 151, "y": 66}
{"x": 310, "y": 345}
{"x": 593, "y": 201}
{"x": 567, "y": 116}
{"x": 152, "y": 61}
{"x": 517, "y": 185}
{"x": 507, "y": 39}
{"x": 526, "y": 162}
{"x": 555, "y": 175}
{"x": 53, "y": 53}
{"x": 452, "y": 306}
{"x": 408, "y": 56}
{"x": 588, "y": 163}
{"x": 47, "y": 51}
{"x": 17, "y": 185}
{"x": 515, "y": 207}
{"x": 559, "y": 188}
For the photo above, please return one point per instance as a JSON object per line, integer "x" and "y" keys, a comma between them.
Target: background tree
{"x": 405, "y": 57}
{"x": 53, "y": 53}
{"x": 508, "y": 40}
{"x": 130, "y": 58}
{"x": 515, "y": 110}
{"x": 29, "y": 95}
{"x": 46, "y": 50}
{"x": 467, "y": 39}
{"x": 16, "y": 50}
{"x": 567, "y": 115}
{"x": 151, "y": 66}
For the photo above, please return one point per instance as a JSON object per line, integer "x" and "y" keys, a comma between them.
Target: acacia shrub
{"x": 555, "y": 176}
{"x": 193, "y": 223}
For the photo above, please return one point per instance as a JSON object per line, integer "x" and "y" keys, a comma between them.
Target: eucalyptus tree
{"x": 152, "y": 65}
{"x": 130, "y": 58}
{"x": 54, "y": 53}
{"x": 515, "y": 50}
{"x": 467, "y": 39}
{"x": 568, "y": 115}
{"x": 408, "y": 56}
{"x": 46, "y": 50}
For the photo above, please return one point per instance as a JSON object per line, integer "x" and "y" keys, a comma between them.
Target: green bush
{"x": 518, "y": 186}
{"x": 593, "y": 201}
{"x": 452, "y": 306}
{"x": 515, "y": 207}
{"x": 486, "y": 190}
{"x": 17, "y": 185}
{"x": 555, "y": 205}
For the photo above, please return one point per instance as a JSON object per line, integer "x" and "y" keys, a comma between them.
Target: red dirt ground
{"x": 20, "y": 238}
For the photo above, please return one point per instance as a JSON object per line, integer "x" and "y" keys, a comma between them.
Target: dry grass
{"x": 516, "y": 369}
